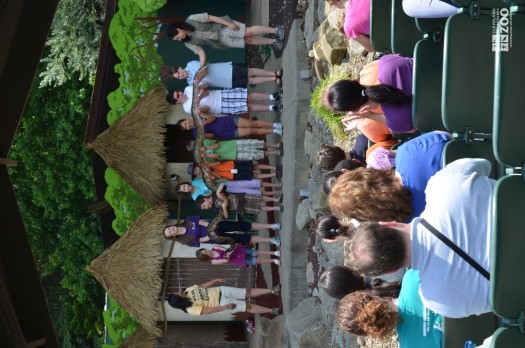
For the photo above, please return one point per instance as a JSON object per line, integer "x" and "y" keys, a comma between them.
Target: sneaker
{"x": 276, "y": 310}
{"x": 276, "y": 290}
{"x": 277, "y": 108}
{"x": 280, "y": 152}
{"x": 279, "y": 167}
{"x": 276, "y": 240}
{"x": 278, "y": 125}
{"x": 250, "y": 326}
{"x": 277, "y": 253}
{"x": 281, "y": 198}
{"x": 278, "y": 184}
{"x": 278, "y": 131}
{"x": 277, "y": 262}
{"x": 281, "y": 208}
{"x": 278, "y": 95}
{"x": 280, "y": 145}
{"x": 277, "y": 44}
{"x": 279, "y": 33}
{"x": 276, "y": 227}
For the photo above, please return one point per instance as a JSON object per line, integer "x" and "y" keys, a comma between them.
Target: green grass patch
{"x": 332, "y": 119}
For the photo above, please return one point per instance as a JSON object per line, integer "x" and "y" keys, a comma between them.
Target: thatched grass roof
{"x": 140, "y": 339}
{"x": 130, "y": 270}
{"x": 134, "y": 146}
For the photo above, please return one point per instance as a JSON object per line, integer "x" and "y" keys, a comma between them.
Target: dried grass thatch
{"x": 134, "y": 146}
{"x": 130, "y": 270}
{"x": 140, "y": 339}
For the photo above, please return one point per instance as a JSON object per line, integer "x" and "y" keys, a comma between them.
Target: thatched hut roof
{"x": 130, "y": 270}
{"x": 134, "y": 146}
{"x": 140, "y": 339}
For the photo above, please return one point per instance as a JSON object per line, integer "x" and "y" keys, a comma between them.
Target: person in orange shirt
{"x": 236, "y": 170}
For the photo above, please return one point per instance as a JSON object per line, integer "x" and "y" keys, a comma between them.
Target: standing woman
{"x": 203, "y": 29}
{"x": 194, "y": 231}
{"x": 393, "y": 94}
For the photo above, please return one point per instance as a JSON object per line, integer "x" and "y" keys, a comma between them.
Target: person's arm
{"x": 219, "y": 262}
{"x": 204, "y": 223}
{"x": 204, "y": 108}
{"x": 209, "y": 135}
{"x": 204, "y": 239}
{"x": 208, "y": 118}
{"x": 225, "y": 208}
{"x": 211, "y": 310}
{"x": 364, "y": 41}
{"x": 202, "y": 57}
{"x": 220, "y": 190}
{"x": 222, "y": 21}
{"x": 212, "y": 283}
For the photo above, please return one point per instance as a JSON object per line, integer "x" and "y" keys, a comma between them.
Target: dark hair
{"x": 174, "y": 27}
{"x": 173, "y": 69}
{"x": 183, "y": 239}
{"x": 201, "y": 256}
{"x": 328, "y": 156}
{"x": 200, "y": 200}
{"x": 178, "y": 302}
{"x": 177, "y": 189}
{"x": 179, "y": 124}
{"x": 339, "y": 281}
{"x": 375, "y": 249}
{"x": 329, "y": 180}
{"x": 170, "y": 99}
{"x": 349, "y": 95}
{"x": 329, "y": 227}
{"x": 348, "y": 164}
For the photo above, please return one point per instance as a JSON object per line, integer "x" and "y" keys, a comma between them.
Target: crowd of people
{"x": 392, "y": 202}
{"x": 232, "y": 157}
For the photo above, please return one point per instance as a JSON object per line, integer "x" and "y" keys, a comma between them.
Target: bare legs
{"x": 257, "y": 76}
{"x": 254, "y": 35}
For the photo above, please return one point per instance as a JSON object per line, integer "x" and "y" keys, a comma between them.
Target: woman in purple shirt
{"x": 393, "y": 94}
{"x": 230, "y": 127}
{"x": 194, "y": 231}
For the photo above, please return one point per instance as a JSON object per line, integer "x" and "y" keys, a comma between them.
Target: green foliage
{"x": 54, "y": 185}
{"x": 139, "y": 72}
{"x": 331, "y": 118}
{"x": 119, "y": 324}
{"x": 73, "y": 43}
{"x": 150, "y": 5}
{"x": 128, "y": 204}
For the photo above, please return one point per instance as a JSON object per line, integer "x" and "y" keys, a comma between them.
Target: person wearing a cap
{"x": 207, "y": 299}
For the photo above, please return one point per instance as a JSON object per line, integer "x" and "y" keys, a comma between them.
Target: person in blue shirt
{"x": 361, "y": 313}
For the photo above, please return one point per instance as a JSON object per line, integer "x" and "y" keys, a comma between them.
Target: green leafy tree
{"x": 74, "y": 41}
{"x": 54, "y": 185}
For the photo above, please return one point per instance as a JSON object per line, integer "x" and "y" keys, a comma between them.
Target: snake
{"x": 210, "y": 183}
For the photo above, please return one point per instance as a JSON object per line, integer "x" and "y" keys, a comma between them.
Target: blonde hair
{"x": 370, "y": 194}
{"x": 360, "y": 313}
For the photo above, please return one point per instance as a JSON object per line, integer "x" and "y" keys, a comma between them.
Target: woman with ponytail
{"x": 339, "y": 281}
{"x": 392, "y": 93}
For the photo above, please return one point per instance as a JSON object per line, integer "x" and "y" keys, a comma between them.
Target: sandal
{"x": 279, "y": 73}
{"x": 278, "y": 81}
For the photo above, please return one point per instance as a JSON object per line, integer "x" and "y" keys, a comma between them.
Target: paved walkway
{"x": 296, "y": 101}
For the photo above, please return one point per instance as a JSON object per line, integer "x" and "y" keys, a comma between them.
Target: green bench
{"x": 427, "y": 76}
{"x": 404, "y": 32}
{"x": 380, "y": 29}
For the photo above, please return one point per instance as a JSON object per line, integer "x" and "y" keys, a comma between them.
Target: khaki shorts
{"x": 233, "y": 295}
{"x": 233, "y": 38}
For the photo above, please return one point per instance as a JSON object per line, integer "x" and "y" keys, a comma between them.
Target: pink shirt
{"x": 357, "y": 18}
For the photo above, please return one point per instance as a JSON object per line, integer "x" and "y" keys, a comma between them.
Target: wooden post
{"x": 8, "y": 162}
